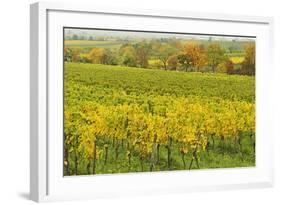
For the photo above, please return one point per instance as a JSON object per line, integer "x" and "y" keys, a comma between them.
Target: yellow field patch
{"x": 237, "y": 59}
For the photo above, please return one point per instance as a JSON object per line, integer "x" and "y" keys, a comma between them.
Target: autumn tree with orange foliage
{"x": 172, "y": 62}
{"x": 197, "y": 55}
{"x": 97, "y": 55}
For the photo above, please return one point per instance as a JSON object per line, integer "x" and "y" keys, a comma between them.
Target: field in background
{"x": 237, "y": 46}
{"x": 92, "y": 44}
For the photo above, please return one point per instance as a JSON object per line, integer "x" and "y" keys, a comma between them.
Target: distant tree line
{"x": 168, "y": 55}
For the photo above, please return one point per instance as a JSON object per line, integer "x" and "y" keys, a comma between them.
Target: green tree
{"x": 215, "y": 55}
{"x": 164, "y": 52}
{"x": 128, "y": 55}
{"x": 185, "y": 61}
{"x": 110, "y": 57}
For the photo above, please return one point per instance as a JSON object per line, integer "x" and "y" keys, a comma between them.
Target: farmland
{"x": 92, "y": 44}
{"x": 146, "y": 101}
{"x": 120, "y": 119}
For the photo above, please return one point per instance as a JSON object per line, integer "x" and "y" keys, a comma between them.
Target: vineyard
{"x": 120, "y": 119}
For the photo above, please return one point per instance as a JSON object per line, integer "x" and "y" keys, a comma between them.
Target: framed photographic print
{"x": 127, "y": 102}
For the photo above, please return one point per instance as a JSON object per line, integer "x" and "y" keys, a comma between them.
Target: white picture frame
{"x": 46, "y": 179}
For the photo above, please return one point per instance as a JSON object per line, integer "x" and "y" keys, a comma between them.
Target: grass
{"x": 218, "y": 157}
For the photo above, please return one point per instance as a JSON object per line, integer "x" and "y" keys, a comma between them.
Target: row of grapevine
{"x": 187, "y": 126}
